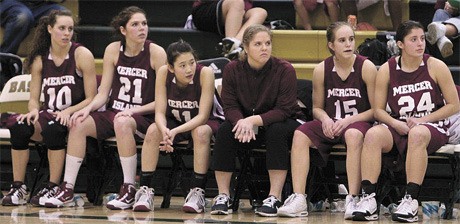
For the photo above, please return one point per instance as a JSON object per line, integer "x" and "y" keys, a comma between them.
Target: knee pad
{"x": 20, "y": 135}
{"x": 55, "y": 136}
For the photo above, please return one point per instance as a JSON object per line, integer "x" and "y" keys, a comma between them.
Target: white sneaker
{"x": 445, "y": 47}
{"x": 125, "y": 199}
{"x": 350, "y": 206}
{"x": 407, "y": 210}
{"x": 63, "y": 197}
{"x": 195, "y": 201}
{"x": 143, "y": 201}
{"x": 44, "y": 194}
{"x": 17, "y": 195}
{"x": 436, "y": 30}
{"x": 294, "y": 206}
{"x": 366, "y": 209}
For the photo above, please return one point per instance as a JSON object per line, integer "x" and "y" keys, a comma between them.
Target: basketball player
{"x": 127, "y": 85}
{"x": 66, "y": 72}
{"x": 184, "y": 98}
{"x": 343, "y": 90}
{"x": 414, "y": 96}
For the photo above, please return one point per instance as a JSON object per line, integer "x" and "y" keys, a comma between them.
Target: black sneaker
{"x": 222, "y": 205}
{"x": 270, "y": 207}
{"x": 229, "y": 44}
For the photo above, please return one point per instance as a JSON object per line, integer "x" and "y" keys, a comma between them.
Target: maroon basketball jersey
{"x": 413, "y": 94}
{"x": 62, "y": 85}
{"x": 133, "y": 81}
{"x": 183, "y": 103}
{"x": 348, "y": 97}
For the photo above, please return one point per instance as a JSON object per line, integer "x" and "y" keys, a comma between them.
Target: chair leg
{"x": 454, "y": 162}
{"x": 174, "y": 177}
{"x": 40, "y": 175}
{"x": 109, "y": 163}
{"x": 241, "y": 179}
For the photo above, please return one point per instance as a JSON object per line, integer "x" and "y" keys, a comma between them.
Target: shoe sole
{"x": 111, "y": 207}
{"x": 446, "y": 50}
{"x": 6, "y": 202}
{"x": 396, "y": 218}
{"x": 364, "y": 217}
{"x": 266, "y": 214}
{"x": 12, "y": 204}
{"x": 141, "y": 208}
{"x": 431, "y": 36}
{"x": 220, "y": 212}
{"x": 190, "y": 209}
{"x": 348, "y": 217}
{"x": 66, "y": 204}
{"x": 301, "y": 214}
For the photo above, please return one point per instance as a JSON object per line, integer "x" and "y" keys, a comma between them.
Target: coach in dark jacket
{"x": 259, "y": 94}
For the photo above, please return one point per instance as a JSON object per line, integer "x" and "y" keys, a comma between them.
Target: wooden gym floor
{"x": 99, "y": 214}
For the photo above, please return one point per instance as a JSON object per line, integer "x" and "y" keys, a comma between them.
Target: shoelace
{"x": 146, "y": 194}
{"x": 365, "y": 198}
{"x": 59, "y": 194}
{"x": 19, "y": 192}
{"x": 290, "y": 200}
{"x": 196, "y": 196}
{"x": 221, "y": 199}
{"x": 125, "y": 195}
{"x": 405, "y": 204}
{"x": 270, "y": 201}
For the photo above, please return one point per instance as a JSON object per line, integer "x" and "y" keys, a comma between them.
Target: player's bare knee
{"x": 153, "y": 134}
{"x": 419, "y": 134}
{"x": 202, "y": 134}
{"x": 123, "y": 125}
{"x": 354, "y": 133}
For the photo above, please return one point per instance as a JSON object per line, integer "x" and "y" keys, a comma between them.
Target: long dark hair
{"x": 177, "y": 48}
{"x": 122, "y": 19}
{"x": 405, "y": 28}
{"x": 42, "y": 39}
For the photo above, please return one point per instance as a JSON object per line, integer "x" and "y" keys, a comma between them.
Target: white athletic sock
{"x": 129, "y": 166}
{"x": 72, "y": 166}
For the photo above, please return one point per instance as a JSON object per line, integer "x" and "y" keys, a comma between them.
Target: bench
{"x": 448, "y": 155}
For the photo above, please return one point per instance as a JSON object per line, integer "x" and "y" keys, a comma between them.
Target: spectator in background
{"x": 18, "y": 17}
{"x": 445, "y": 25}
{"x": 350, "y": 7}
{"x": 53, "y": 57}
{"x": 303, "y": 7}
{"x": 228, "y": 18}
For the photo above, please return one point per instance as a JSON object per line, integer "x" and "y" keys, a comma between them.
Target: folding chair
{"x": 14, "y": 98}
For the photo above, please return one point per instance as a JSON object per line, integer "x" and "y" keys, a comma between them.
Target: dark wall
{"x": 165, "y": 13}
